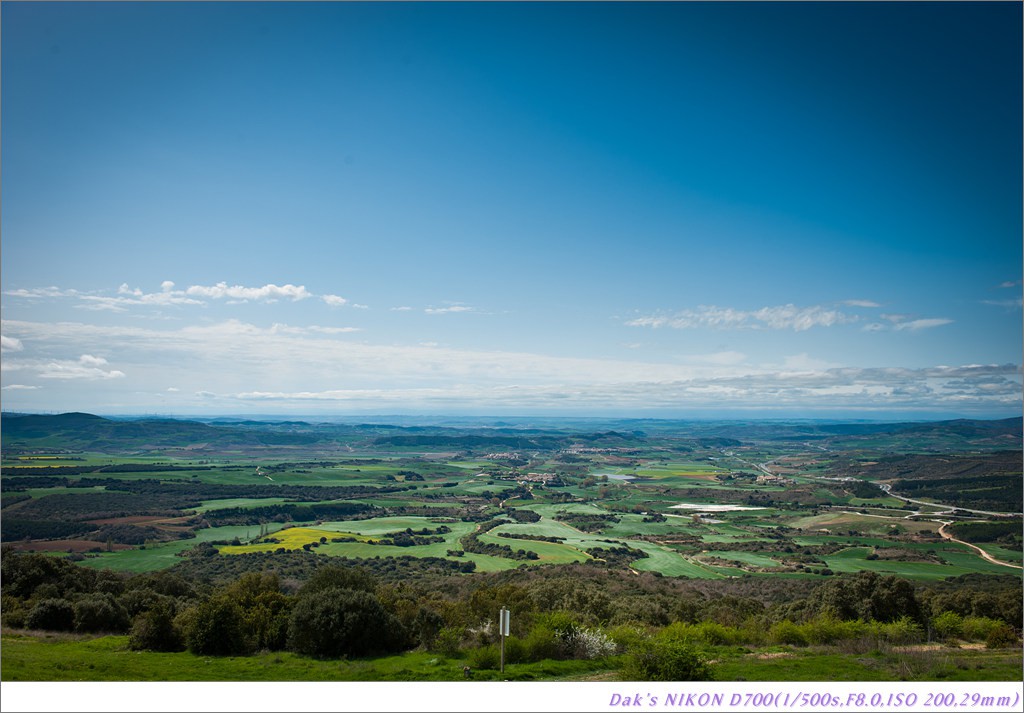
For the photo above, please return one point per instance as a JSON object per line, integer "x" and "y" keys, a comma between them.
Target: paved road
{"x": 888, "y": 491}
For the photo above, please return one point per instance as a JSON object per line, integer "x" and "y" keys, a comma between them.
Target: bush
{"x": 486, "y": 657}
{"x": 786, "y": 632}
{"x": 625, "y": 636}
{"x": 154, "y": 630}
{"x": 586, "y": 644}
{"x": 343, "y": 622}
{"x": 52, "y": 615}
{"x": 902, "y": 631}
{"x": 449, "y": 641}
{"x": 1002, "y": 636}
{"x": 13, "y": 612}
{"x": 515, "y": 650}
{"x": 948, "y": 625}
{"x": 542, "y": 643}
{"x": 978, "y": 628}
{"x": 827, "y": 629}
{"x": 99, "y": 612}
{"x": 663, "y": 659}
{"x": 215, "y": 628}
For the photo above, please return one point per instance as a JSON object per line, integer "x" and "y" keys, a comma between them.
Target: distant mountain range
{"x": 87, "y": 432}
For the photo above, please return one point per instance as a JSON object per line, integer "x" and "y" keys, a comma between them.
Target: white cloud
{"x": 1016, "y": 303}
{"x": 1011, "y": 283}
{"x": 448, "y": 310}
{"x": 861, "y": 303}
{"x": 780, "y": 317}
{"x": 904, "y": 322}
{"x": 86, "y": 367}
{"x": 245, "y": 294}
{"x": 127, "y": 296}
{"x": 401, "y": 309}
{"x": 832, "y": 389}
{"x": 19, "y": 387}
{"x": 805, "y": 362}
{"x": 313, "y": 329}
{"x": 307, "y": 366}
{"x": 725, "y": 358}
{"x": 334, "y": 300}
{"x": 10, "y": 344}
{"x": 42, "y": 293}
{"x": 173, "y": 390}
{"x": 918, "y": 324}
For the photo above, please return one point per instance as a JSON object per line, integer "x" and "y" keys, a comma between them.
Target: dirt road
{"x": 983, "y": 553}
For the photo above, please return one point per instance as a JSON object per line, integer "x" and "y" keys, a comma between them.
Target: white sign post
{"x": 503, "y": 631}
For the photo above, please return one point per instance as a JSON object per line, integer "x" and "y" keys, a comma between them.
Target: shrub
{"x": 625, "y": 636}
{"x": 52, "y": 615}
{"x": 13, "y": 612}
{"x": 343, "y": 622}
{"x": 681, "y": 631}
{"x": 1002, "y": 636}
{"x": 98, "y": 612}
{"x": 662, "y": 659}
{"x": 586, "y": 644}
{"x": 786, "y": 632}
{"x": 449, "y": 641}
{"x": 515, "y": 650}
{"x": 542, "y": 643}
{"x": 902, "y": 631}
{"x": 827, "y": 629}
{"x": 714, "y": 634}
{"x": 948, "y": 625}
{"x": 154, "y": 630}
{"x": 978, "y": 628}
{"x": 485, "y": 657}
{"x": 214, "y": 627}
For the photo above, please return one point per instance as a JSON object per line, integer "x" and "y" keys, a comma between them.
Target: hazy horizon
{"x": 646, "y": 209}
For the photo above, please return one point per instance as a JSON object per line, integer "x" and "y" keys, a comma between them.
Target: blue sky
{"x": 676, "y": 209}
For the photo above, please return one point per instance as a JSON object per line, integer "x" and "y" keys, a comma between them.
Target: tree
{"x": 867, "y": 596}
{"x": 100, "y": 612}
{"x": 336, "y": 622}
{"x": 154, "y": 630}
{"x": 215, "y": 627}
{"x": 52, "y": 615}
{"x": 356, "y": 578}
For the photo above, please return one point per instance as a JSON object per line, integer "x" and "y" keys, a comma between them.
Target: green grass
{"x": 959, "y": 562}
{"x": 669, "y": 563}
{"x": 827, "y": 664}
{"x": 1002, "y": 553}
{"x": 164, "y": 555}
{"x": 55, "y": 657}
{"x": 549, "y": 552}
{"x": 226, "y": 503}
{"x": 63, "y": 657}
{"x": 751, "y": 558}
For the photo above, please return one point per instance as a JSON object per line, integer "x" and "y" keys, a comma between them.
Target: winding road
{"x": 983, "y": 553}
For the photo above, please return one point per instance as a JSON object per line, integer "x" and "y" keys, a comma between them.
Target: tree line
{"x": 330, "y": 607}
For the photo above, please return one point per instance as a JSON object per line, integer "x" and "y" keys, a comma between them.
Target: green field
{"x": 160, "y": 556}
{"x": 225, "y": 503}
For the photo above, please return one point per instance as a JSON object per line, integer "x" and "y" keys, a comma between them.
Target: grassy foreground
{"x": 37, "y": 656}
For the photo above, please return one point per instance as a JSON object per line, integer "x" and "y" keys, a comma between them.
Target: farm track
{"x": 984, "y": 555}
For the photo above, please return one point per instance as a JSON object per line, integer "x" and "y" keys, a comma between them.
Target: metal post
{"x": 501, "y": 633}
